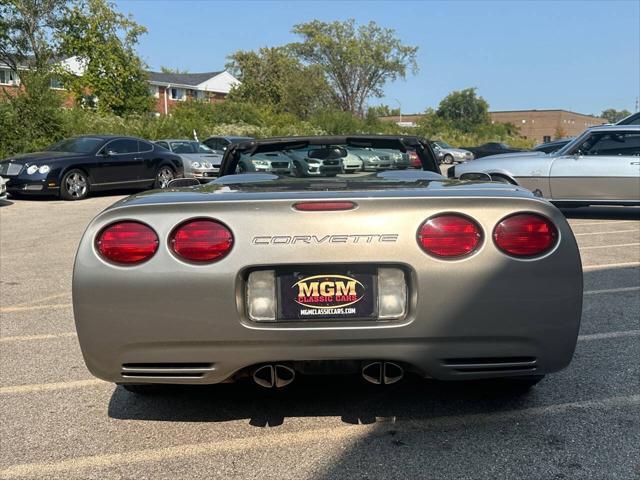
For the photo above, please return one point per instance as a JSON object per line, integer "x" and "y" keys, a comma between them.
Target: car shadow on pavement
{"x": 344, "y": 396}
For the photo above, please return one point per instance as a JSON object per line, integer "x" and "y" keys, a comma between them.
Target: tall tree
{"x": 464, "y": 109}
{"x": 105, "y": 40}
{"x": 164, "y": 69}
{"x": 611, "y": 115}
{"x": 274, "y": 78}
{"x": 27, "y": 32}
{"x": 357, "y": 62}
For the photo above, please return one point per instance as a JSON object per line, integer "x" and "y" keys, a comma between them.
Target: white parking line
{"x": 27, "y": 338}
{"x": 611, "y": 246}
{"x": 604, "y": 222}
{"x": 602, "y": 336}
{"x": 56, "y": 306}
{"x": 611, "y": 290}
{"x": 605, "y": 266}
{"x": 41, "y": 387}
{"x": 274, "y": 441}
{"x": 607, "y": 233}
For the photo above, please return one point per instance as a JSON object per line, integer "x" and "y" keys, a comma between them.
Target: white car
{"x": 3, "y": 188}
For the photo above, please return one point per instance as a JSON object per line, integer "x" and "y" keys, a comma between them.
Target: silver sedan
{"x": 601, "y": 166}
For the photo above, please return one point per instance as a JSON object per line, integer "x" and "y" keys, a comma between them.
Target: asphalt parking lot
{"x": 60, "y": 422}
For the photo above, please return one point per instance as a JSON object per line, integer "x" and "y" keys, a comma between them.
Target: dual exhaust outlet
{"x": 279, "y": 375}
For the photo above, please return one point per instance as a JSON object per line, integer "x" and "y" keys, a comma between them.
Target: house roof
{"x": 191, "y": 79}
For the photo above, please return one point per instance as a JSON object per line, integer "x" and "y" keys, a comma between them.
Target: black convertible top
{"x": 395, "y": 142}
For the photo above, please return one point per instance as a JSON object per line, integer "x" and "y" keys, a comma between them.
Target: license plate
{"x": 319, "y": 293}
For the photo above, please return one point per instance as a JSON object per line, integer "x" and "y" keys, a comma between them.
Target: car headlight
{"x": 195, "y": 165}
{"x": 312, "y": 161}
{"x": 206, "y": 165}
{"x": 260, "y": 163}
{"x": 44, "y": 169}
{"x": 32, "y": 169}
{"x": 375, "y": 159}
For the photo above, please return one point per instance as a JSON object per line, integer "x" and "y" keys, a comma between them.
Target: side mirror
{"x": 477, "y": 177}
{"x": 183, "y": 182}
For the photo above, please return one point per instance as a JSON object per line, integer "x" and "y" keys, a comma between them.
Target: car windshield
{"x": 328, "y": 161}
{"x": 189, "y": 146}
{"x": 77, "y": 145}
{"x": 443, "y": 144}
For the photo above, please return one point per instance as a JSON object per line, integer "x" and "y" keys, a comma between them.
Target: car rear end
{"x": 452, "y": 285}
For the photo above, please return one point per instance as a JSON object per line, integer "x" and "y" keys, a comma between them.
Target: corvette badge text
{"x": 317, "y": 240}
{"x": 328, "y": 294}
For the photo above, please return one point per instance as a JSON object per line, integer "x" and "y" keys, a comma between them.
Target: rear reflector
{"x": 127, "y": 243}
{"x": 449, "y": 236}
{"x": 201, "y": 241}
{"x": 525, "y": 235}
{"x": 323, "y": 206}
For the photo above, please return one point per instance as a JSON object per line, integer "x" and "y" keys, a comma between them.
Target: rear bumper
{"x": 481, "y": 312}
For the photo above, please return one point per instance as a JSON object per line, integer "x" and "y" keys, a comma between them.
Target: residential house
{"x": 171, "y": 88}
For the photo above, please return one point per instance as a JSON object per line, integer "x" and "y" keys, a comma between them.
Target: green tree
{"x": 164, "y": 69}
{"x": 464, "y": 109}
{"x": 105, "y": 40}
{"x": 382, "y": 111}
{"x": 27, "y": 32}
{"x": 273, "y": 78}
{"x": 357, "y": 62}
{"x": 611, "y": 115}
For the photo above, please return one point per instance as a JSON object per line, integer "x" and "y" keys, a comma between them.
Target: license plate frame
{"x": 338, "y": 280}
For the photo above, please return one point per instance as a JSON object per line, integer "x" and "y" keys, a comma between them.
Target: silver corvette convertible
{"x": 377, "y": 274}
{"x": 601, "y": 166}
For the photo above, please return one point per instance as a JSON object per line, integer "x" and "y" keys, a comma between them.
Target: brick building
{"x": 545, "y": 125}
{"x": 538, "y": 125}
{"x": 168, "y": 88}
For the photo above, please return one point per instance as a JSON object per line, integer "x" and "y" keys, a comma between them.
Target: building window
{"x": 8, "y": 77}
{"x": 176, "y": 93}
{"x": 546, "y": 139}
{"x": 56, "y": 83}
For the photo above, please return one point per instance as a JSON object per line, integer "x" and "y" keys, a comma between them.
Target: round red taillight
{"x": 525, "y": 235}
{"x": 127, "y": 243}
{"x": 201, "y": 240}
{"x": 449, "y": 236}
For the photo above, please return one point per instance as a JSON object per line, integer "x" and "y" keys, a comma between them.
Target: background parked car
{"x": 198, "y": 160}
{"x": 553, "y": 146}
{"x": 448, "y": 154}
{"x": 400, "y": 160}
{"x": 372, "y": 160}
{"x": 322, "y": 162}
{"x": 601, "y": 166}
{"x": 220, "y": 143}
{"x": 633, "y": 119}
{"x": 3, "y": 188}
{"x": 269, "y": 162}
{"x": 74, "y": 167}
{"x": 491, "y": 148}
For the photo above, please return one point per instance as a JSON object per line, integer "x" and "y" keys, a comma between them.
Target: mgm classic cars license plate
{"x": 322, "y": 293}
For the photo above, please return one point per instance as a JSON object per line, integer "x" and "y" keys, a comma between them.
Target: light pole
{"x": 400, "y": 107}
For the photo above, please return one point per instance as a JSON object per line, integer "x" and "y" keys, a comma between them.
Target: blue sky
{"x": 576, "y": 55}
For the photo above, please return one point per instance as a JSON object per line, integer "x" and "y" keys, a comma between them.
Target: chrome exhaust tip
{"x": 264, "y": 376}
{"x": 392, "y": 373}
{"x": 382, "y": 373}
{"x": 372, "y": 372}
{"x": 273, "y": 376}
{"x": 284, "y": 375}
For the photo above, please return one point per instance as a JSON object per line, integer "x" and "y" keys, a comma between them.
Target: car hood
{"x": 202, "y": 157}
{"x": 39, "y": 157}
{"x": 510, "y": 156}
{"x": 454, "y": 150}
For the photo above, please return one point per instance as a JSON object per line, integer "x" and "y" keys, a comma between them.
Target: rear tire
{"x": 448, "y": 159}
{"x": 75, "y": 185}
